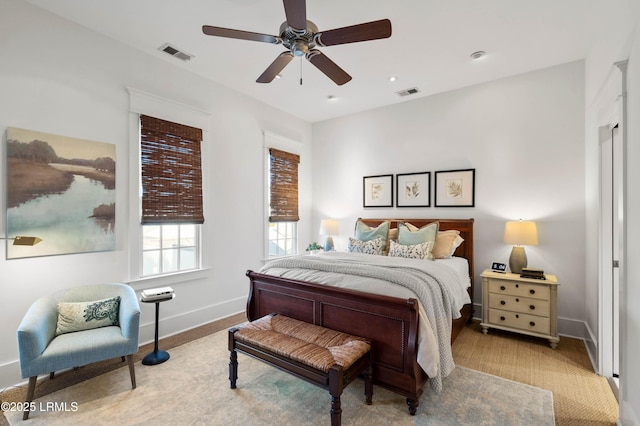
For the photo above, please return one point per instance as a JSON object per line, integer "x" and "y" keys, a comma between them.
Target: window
{"x": 169, "y": 248}
{"x": 283, "y": 238}
{"x": 283, "y": 203}
{"x": 171, "y": 172}
{"x": 171, "y": 196}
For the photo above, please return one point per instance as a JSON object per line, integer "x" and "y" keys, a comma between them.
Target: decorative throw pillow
{"x": 446, "y": 244}
{"x": 366, "y": 233}
{"x": 367, "y": 247}
{"x": 393, "y": 234}
{"x": 87, "y": 315}
{"x": 415, "y": 251}
{"x": 409, "y": 235}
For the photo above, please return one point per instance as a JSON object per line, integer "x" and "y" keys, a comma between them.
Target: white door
{"x": 611, "y": 198}
{"x": 617, "y": 230}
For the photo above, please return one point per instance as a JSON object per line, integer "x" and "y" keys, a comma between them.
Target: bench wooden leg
{"x": 233, "y": 368}
{"x": 335, "y": 389}
{"x": 368, "y": 383}
{"x": 336, "y": 411}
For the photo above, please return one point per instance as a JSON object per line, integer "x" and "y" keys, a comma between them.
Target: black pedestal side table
{"x": 157, "y": 356}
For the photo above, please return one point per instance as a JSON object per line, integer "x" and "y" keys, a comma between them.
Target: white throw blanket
{"x": 426, "y": 280}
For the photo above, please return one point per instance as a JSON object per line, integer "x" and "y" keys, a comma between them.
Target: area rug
{"x": 192, "y": 388}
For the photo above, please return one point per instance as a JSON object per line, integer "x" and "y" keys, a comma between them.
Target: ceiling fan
{"x": 302, "y": 37}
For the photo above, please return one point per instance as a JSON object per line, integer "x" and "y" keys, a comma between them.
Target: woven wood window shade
{"x": 284, "y": 186}
{"x": 171, "y": 172}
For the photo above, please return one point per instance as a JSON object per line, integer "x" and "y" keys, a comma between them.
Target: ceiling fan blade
{"x": 296, "y": 11}
{"x": 362, "y": 32}
{"x": 276, "y": 66}
{"x": 239, "y": 34}
{"x": 328, "y": 67}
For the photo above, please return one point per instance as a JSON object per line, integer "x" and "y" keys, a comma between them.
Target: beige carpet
{"x": 193, "y": 388}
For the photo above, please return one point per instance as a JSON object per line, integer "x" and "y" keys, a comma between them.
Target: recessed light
{"x": 479, "y": 54}
{"x": 392, "y": 78}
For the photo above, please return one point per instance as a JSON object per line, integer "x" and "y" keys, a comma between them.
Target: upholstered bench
{"x": 327, "y": 358}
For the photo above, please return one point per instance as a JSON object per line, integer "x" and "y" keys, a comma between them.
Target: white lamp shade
{"x": 521, "y": 233}
{"x": 329, "y": 227}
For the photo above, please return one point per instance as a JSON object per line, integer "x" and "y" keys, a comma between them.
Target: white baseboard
{"x": 10, "y": 372}
{"x": 628, "y": 416}
{"x": 10, "y": 375}
{"x": 192, "y": 319}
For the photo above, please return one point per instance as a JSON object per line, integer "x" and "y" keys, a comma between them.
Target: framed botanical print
{"x": 455, "y": 188}
{"x": 413, "y": 189}
{"x": 378, "y": 191}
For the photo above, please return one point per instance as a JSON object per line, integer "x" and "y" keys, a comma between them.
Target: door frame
{"x": 613, "y": 114}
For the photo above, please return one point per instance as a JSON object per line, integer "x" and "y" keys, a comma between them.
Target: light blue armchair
{"x": 42, "y": 351}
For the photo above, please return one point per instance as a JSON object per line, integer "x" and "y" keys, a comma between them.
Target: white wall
{"x": 58, "y": 77}
{"x": 630, "y": 369}
{"x": 615, "y": 29}
{"x": 523, "y": 135}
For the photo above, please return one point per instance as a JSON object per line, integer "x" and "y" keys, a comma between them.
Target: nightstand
{"x": 522, "y": 305}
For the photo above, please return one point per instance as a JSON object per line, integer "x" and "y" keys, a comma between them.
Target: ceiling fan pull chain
{"x": 301, "y": 71}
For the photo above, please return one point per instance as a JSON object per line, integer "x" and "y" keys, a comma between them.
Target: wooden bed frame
{"x": 390, "y": 323}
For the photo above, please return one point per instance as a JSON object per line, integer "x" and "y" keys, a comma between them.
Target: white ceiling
{"x": 429, "y": 48}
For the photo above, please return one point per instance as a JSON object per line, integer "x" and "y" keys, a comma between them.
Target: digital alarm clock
{"x": 499, "y": 267}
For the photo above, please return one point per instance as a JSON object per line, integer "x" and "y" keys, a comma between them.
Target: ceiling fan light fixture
{"x": 300, "y": 48}
{"x": 301, "y": 37}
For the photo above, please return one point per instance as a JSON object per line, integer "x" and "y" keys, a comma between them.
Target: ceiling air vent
{"x": 408, "y": 92}
{"x": 171, "y": 50}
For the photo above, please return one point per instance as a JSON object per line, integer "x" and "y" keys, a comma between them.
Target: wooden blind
{"x": 171, "y": 172}
{"x": 283, "y": 189}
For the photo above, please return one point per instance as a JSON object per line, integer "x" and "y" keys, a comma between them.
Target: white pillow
{"x": 87, "y": 315}
{"x": 374, "y": 246}
{"x": 414, "y": 251}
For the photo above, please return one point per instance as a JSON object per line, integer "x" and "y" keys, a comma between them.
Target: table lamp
{"x": 520, "y": 233}
{"x": 329, "y": 227}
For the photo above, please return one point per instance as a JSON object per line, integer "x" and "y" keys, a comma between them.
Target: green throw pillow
{"x": 87, "y": 315}
{"x": 366, "y": 233}
{"x": 426, "y": 234}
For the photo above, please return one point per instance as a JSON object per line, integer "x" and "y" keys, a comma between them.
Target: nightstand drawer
{"x": 527, "y": 322}
{"x": 525, "y": 305}
{"x": 515, "y": 288}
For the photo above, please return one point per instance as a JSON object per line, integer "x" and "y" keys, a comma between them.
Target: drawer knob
{"x": 502, "y": 302}
{"x": 517, "y": 299}
{"x": 502, "y": 318}
{"x": 532, "y": 291}
{"x": 532, "y": 324}
{"x": 503, "y": 288}
{"x": 532, "y": 307}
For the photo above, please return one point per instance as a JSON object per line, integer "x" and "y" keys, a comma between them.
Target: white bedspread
{"x": 439, "y": 288}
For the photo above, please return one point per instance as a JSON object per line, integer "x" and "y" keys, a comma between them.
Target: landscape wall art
{"x": 61, "y": 190}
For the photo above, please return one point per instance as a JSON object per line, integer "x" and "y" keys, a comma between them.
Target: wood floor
{"x": 580, "y": 396}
